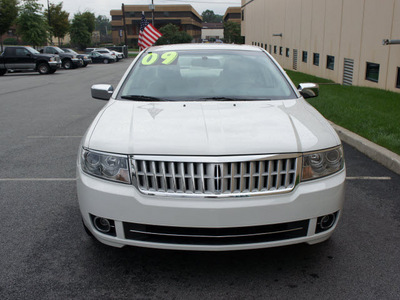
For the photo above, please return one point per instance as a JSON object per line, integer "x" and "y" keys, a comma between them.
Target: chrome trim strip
{"x": 215, "y": 236}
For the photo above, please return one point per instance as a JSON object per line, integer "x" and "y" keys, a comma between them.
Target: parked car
{"x": 69, "y": 61}
{"x": 85, "y": 59}
{"x": 97, "y": 57}
{"x": 22, "y": 58}
{"x": 118, "y": 55}
{"x": 88, "y": 50}
{"x": 209, "y": 147}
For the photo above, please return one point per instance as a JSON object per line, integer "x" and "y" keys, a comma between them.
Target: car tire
{"x": 67, "y": 64}
{"x": 3, "y": 71}
{"x": 43, "y": 68}
{"x": 106, "y": 61}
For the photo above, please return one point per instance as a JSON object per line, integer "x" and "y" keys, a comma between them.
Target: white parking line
{"x": 368, "y": 178}
{"x": 37, "y": 179}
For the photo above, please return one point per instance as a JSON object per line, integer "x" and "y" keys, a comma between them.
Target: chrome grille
{"x": 267, "y": 174}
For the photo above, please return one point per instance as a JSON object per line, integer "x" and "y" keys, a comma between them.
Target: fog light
{"x": 103, "y": 225}
{"x": 325, "y": 222}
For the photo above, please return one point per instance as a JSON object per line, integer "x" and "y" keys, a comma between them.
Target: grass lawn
{"x": 371, "y": 113}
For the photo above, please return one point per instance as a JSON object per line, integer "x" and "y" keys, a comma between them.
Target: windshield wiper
{"x": 233, "y": 99}
{"x": 142, "y": 98}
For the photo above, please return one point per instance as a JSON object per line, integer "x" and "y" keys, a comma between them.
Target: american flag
{"x": 148, "y": 34}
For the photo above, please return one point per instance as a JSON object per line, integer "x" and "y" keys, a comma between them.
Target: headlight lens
{"x": 107, "y": 166}
{"x": 322, "y": 163}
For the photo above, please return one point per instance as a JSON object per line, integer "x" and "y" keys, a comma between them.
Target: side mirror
{"x": 308, "y": 90}
{"x": 102, "y": 91}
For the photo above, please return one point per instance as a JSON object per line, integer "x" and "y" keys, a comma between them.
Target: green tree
{"x": 8, "y": 15}
{"x": 172, "y": 35}
{"x": 90, "y": 20}
{"x": 210, "y": 17}
{"x": 232, "y": 33}
{"x": 58, "y": 20}
{"x": 31, "y": 23}
{"x": 102, "y": 25}
{"x": 80, "y": 35}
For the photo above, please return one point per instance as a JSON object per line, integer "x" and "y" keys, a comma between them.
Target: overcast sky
{"x": 103, "y": 7}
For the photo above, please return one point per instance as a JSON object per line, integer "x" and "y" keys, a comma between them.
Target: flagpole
{"x": 152, "y": 12}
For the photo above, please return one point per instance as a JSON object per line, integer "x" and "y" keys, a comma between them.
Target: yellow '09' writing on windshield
{"x": 167, "y": 58}
{"x": 150, "y": 59}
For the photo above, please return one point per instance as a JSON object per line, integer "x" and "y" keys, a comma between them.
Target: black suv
{"x": 69, "y": 60}
{"x": 20, "y": 58}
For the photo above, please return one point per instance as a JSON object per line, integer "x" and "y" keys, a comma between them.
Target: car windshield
{"x": 59, "y": 50}
{"x": 33, "y": 51}
{"x": 70, "y": 51}
{"x": 205, "y": 75}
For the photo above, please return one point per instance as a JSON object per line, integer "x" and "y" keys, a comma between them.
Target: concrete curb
{"x": 382, "y": 155}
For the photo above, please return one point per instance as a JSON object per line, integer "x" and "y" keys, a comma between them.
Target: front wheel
{"x": 3, "y": 71}
{"x": 43, "y": 68}
{"x": 67, "y": 64}
{"x": 105, "y": 61}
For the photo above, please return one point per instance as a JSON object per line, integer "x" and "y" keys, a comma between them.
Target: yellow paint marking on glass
{"x": 169, "y": 57}
{"x": 150, "y": 59}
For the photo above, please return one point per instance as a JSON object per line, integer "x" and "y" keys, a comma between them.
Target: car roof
{"x": 202, "y": 46}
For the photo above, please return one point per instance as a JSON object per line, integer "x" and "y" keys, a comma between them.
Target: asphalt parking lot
{"x": 45, "y": 253}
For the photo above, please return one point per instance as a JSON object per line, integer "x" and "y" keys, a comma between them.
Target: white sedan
{"x": 209, "y": 147}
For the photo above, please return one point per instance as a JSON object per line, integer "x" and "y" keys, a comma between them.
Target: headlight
{"x": 107, "y": 166}
{"x": 52, "y": 58}
{"x": 74, "y": 56}
{"x": 323, "y": 163}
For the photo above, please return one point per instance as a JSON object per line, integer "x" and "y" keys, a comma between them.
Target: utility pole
{"x": 49, "y": 20}
{"x": 48, "y": 12}
{"x": 123, "y": 18}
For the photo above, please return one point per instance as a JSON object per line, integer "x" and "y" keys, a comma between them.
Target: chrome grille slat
{"x": 161, "y": 175}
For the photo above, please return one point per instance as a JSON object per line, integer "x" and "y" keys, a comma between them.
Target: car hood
{"x": 209, "y": 128}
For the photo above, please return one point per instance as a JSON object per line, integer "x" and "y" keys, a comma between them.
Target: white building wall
{"x": 352, "y": 29}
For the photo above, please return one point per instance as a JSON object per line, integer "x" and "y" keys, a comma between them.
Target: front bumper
{"x": 76, "y": 62}
{"x": 55, "y": 64}
{"x": 156, "y": 221}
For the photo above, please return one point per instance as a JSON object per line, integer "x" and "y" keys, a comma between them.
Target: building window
{"x": 330, "y": 62}
{"x": 287, "y": 52}
{"x": 266, "y": 47}
{"x": 304, "y": 57}
{"x": 242, "y": 15}
{"x": 316, "y": 59}
{"x": 275, "y": 49}
{"x": 372, "y": 73}
{"x": 280, "y": 50}
{"x": 270, "y": 48}
{"x": 262, "y": 45}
